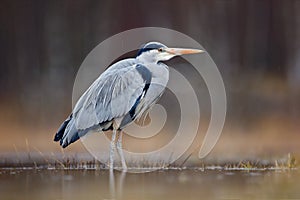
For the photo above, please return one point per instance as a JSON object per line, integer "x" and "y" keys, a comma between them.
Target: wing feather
{"x": 112, "y": 95}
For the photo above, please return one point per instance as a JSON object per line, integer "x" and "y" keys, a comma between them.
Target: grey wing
{"x": 111, "y": 96}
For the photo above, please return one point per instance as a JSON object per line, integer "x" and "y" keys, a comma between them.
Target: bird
{"x": 120, "y": 95}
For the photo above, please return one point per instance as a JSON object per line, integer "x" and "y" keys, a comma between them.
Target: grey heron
{"x": 120, "y": 95}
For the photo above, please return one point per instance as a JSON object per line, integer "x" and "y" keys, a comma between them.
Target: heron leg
{"x": 112, "y": 149}
{"x": 120, "y": 151}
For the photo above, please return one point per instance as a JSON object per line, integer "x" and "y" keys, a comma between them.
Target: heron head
{"x": 155, "y": 52}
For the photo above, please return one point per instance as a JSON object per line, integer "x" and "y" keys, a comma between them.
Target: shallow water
{"x": 166, "y": 184}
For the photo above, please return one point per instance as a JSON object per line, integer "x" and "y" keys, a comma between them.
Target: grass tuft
{"x": 40, "y": 160}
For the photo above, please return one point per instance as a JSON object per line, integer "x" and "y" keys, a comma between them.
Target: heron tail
{"x": 67, "y": 133}
{"x": 58, "y": 136}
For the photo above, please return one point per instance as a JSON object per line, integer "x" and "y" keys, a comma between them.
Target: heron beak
{"x": 181, "y": 51}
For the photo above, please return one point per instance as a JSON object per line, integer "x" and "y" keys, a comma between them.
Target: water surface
{"x": 165, "y": 184}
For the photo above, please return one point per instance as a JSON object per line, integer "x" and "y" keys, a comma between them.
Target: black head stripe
{"x": 150, "y": 46}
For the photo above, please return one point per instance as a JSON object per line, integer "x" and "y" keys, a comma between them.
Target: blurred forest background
{"x": 255, "y": 44}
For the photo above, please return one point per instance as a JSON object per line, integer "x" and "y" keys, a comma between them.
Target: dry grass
{"x": 39, "y": 160}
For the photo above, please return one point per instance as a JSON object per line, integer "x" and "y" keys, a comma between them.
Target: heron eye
{"x": 160, "y": 50}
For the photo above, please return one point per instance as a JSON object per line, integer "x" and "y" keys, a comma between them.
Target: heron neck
{"x": 146, "y": 59}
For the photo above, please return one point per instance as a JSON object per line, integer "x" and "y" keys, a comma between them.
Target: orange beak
{"x": 181, "y": 51}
